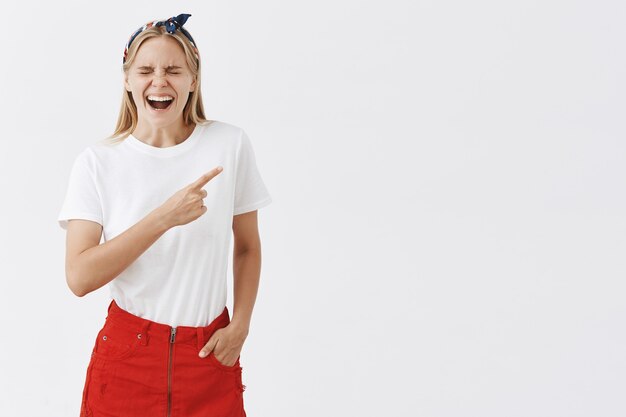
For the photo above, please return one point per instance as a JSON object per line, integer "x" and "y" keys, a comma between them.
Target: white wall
{"x": 447, "y": 234}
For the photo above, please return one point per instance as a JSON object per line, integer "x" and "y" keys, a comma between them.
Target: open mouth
{"x": 160, "y": 104}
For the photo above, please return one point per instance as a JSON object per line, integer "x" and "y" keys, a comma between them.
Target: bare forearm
{"x": 99, "y": 265}
{"x": 246, "y": 275}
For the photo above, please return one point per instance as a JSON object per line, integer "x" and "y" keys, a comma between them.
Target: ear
{"x": 192, "y": 87}
{"x": 126, "y": 84}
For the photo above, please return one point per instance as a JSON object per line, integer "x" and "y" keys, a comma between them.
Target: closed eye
{"x": 151, "y": 71}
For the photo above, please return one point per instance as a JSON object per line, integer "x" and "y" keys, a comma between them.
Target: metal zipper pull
{"x": 173, "y": 335}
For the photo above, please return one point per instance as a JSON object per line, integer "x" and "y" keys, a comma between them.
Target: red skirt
{"x": 139, "y": 367}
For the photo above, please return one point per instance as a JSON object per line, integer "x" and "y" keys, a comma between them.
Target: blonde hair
{"x": 193, "y": 111}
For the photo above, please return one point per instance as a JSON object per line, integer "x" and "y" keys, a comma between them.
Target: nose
{"x": 158, "y": 79}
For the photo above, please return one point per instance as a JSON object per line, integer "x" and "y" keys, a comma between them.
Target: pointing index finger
{"x": 201, "y": 182}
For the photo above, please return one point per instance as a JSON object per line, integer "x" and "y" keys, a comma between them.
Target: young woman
{"x": 163, "y": 196}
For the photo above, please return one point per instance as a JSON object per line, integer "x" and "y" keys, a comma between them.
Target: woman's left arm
{"x": 246, "y": 275}
{"x": 246, "y": 269}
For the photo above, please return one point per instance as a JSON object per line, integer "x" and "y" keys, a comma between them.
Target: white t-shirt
{"x": 181, "y": 279}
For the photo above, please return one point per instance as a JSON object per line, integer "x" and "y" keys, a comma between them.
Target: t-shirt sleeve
{"x": 82, "y": 200}
{"x": 250, "y": 190}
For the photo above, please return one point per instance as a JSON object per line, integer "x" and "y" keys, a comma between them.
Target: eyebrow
{"x": 145, "y": 67}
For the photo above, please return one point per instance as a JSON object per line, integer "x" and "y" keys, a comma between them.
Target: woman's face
{"x": 160, "y": 69}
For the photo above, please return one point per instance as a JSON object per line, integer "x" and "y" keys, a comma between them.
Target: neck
{"x": 163, "y": 136}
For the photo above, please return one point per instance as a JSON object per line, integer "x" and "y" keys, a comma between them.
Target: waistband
{"x": 160, "y": 332}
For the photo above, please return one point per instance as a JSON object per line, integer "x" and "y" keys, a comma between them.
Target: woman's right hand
{"x": 187, "y": 204}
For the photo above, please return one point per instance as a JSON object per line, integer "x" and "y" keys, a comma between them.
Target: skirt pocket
{"x": 233, "y": 368}
{"x": 116, "y": 342}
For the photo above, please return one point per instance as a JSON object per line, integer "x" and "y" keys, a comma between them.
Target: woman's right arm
{"x": 89, "y": 265}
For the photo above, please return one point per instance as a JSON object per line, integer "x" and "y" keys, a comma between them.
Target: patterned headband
{"x": 171, "y": 24}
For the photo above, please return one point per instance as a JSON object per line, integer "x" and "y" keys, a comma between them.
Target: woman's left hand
{"x": 226, "y": 344}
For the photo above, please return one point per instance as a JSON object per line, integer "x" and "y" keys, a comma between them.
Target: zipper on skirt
{"x": 169, "y": 371}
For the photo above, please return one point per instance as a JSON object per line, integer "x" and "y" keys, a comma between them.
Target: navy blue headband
{"x": 171, "y": 24}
